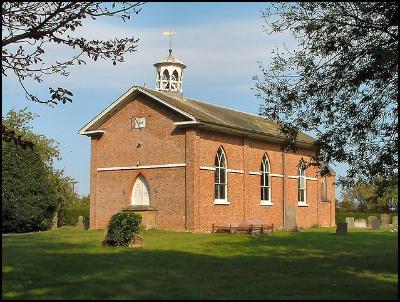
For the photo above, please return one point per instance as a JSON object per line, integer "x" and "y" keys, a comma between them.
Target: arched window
{"x": 302, "y": 187}
{"x": 174, "y": 80}
{"x": 220, "y": 175}
{"x": 165, "y": 80}
{"x": 140, "y": 192}
{"x": 265, "y": 180}
{"x": 324, "y": 188}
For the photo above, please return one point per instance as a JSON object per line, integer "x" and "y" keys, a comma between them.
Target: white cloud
{"x": 214, "y": 53}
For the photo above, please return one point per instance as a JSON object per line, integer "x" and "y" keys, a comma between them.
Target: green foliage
{"x": 28, "y": 199}
{"x": 70, "y": 215}
{"x": 346, "y": 205}
{"x": 371, "y": 197}
{"x": 47, "y": 151}
{"x": 340, "y": 83}
{"x": 20, "y": 122}
{"x": 121, "y": 228}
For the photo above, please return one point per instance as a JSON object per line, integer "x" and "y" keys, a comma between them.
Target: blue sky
{"x": 220, "y": 43}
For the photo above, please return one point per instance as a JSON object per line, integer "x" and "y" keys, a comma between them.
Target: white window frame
{"x": 324, "y": 188}
{"x": 222, "y": 164}
{"x": 302, "y": 179}
{"x": 265, "y": 172}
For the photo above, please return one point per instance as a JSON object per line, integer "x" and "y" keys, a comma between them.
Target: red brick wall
{"x": 167, "y": 194}
{"x": 162, "y": 144}
{"x": 189, "y": 191}
{"x": 244, "y": 189}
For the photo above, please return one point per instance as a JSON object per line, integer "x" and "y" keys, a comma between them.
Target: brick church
{"x": 184, "y": 164}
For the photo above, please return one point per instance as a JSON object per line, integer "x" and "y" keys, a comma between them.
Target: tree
{"x": 341, "y": 83}
{"x": 29, "y": 27}
{"x": 47, "y": 151}
{"x": 28, "y": 198}
{"x": 346, "y": 205}
{"x": 367, "y": 197}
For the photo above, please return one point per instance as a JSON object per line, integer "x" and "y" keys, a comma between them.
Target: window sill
{"x": 302, "y": 204}
{"x": 266, "y": 203}
{"x": 221, "y": 201}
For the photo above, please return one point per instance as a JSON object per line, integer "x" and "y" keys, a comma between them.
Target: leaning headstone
{"x": 385, "y": 220}
{"x": 375, "y": 224}
{"x": 341, "y": 229}
{"x": 370, "y": 219}
{"x": 80, "y": 222}
{"x": 291, "y": 220}
{"x": 136, "y": 242}
{"x": 350, "y": 222}
{"x": 360, "y": 223}
{"x": 395, "y": 221}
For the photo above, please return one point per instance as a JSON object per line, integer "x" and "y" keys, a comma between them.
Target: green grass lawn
{"x": 70, "y": 263}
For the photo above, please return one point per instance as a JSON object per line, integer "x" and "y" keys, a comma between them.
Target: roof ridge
{"x": 191, "y": 99}
{"x": 224, "y": 107}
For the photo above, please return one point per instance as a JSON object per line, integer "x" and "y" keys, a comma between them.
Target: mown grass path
{"x": 70, "y": 263}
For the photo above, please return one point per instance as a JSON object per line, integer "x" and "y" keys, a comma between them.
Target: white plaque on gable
{"x": 138, "y": 122}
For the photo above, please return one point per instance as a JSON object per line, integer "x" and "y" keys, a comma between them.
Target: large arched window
{"x": 265, "y": 180}
{"x": 324, "y": 189}
{"x": 302, "y": 187}
{"x": 220, "y": 176}
{"x": 140, "y": 192}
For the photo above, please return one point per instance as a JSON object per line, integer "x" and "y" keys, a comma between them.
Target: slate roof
{"x": 204, "y": 113}
{"x": 226, "y": 117}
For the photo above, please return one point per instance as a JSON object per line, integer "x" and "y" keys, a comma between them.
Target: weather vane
{"x": 169, "y": 33}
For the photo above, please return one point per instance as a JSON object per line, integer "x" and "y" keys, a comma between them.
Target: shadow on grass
{"x": 285, "y": 266}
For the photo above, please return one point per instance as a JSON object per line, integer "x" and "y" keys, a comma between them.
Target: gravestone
{"x": 370, "y": 219}
{"x": 375, "y": 224}
{"x": 136, "y": 242}
{"x": 395, "y": 221}
{"x": 86, "y": 222}
{"x": 360, "y": 223}
{"x": 291, "y": 220}
{"x": 385, "y": 220}
{"x": 350, "y": 222}
{"x": 80, "y": 222}
{"x": 341, "y": 229}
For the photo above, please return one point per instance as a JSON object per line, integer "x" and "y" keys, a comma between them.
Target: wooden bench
{"x": 248, "y": 228}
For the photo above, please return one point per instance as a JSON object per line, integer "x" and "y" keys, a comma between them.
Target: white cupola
{"x": 169, "y": 74}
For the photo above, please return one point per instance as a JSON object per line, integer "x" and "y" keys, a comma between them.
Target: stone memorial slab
{"x": 370, "y": 219}
{"x": 395, "y": 221}
{"x": 350, "y": 222}
{"x": 360, "y": 223}
{"x": 375, "y": 224}
{"x": 341, "y": 229}
{"x": 385, "y": 220}
{"x": 136, "y": 242}
{"x": 80, "y": 221}
{"x": 291, "y": 220}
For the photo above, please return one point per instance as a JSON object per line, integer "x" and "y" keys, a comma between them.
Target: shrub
{"x": 29, "y": 201}
{"x": 70, "y": 215}
{"x": 121, "y": 228}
